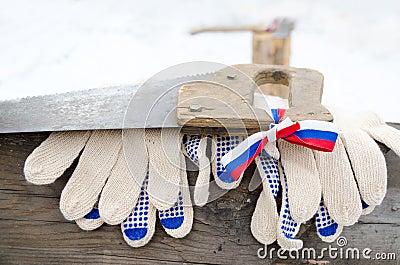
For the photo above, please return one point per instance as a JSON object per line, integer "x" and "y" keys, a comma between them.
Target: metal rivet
{"x": 195, "y": 107}
{"x": 231, "y": 77}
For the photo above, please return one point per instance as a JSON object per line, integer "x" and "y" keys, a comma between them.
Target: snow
{"x": 57, "y": 46}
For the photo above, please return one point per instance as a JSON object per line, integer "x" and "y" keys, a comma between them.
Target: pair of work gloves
{"x": 334, "y": 187}
{"x": 123, "y": 177}
{"x": 128, "y": 177}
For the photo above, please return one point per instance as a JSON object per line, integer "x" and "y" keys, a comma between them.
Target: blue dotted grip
{"x": 271, "y": 174}
{"x": 173, "y": 217}
{"x": 135, "y": 227}
{"x": 223, "y": 145}
{"x": 326, "y": 226}
{"x": 288, "y": 227}
{"x": 191, "y": 145}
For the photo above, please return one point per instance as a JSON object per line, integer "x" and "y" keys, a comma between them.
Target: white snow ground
{"x": 56, "y": 46}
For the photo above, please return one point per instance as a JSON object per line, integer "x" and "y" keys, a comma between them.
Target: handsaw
{"x": 208, "y": 102}
{"x": 99, "y": 108}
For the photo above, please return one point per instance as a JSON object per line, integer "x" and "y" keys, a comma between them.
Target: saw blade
{"x": 151, "y": 104}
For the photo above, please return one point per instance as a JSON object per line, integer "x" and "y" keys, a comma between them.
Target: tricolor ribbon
{"x": 317, "y": 135}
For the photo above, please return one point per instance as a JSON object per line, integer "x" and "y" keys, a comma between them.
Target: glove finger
{"x": 94, "y": 167}
{"x": 327, "y": 229}
{"x": 381, "y": 132}
{"x": 191, "y": 144}
{"x": 339, "y": 187}
{"x": 120, "y": 194}
{"x": 164, "y": 148}
{"x": 138, "y": 228}
{"x": 270, "y": 150}
{"x": 222, "y": 145}
{"x": 90, "y": 221}
{"x": 287, "y": 227}
{"x": 122, "y": 189}
{"x": 367, "y": 209}
{"x": 368, "y": 164}
{"x": 177, "y": 221}
{"x": 196, "y": 150}
{"x": 303, "y": 184}
{"x": 265, "y": 217}
{"x": 53, "y": 156}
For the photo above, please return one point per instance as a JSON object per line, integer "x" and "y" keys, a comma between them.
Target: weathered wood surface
{"x": 33, "y": 231}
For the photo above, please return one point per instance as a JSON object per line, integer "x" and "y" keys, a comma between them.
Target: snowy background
{"x": 57, "y": 46}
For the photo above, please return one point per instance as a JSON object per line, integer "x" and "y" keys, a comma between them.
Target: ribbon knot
{"x": 316, "y": 135}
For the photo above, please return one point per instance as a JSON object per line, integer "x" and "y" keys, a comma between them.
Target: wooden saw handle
{"x": 226, "y": 102}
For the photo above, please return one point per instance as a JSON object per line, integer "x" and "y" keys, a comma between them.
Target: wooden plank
{"x": 33, "y": 231}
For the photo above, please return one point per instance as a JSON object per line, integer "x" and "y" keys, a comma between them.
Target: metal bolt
{"x": 195, "y": 108}
{"x": 231, "y": 76}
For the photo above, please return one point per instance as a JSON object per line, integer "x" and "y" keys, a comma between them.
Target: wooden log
{"x": 273, "y": 48}
{"x": 33, "y": 231}
{"x": 271, "y": 43}
{"x": 268, "y": 49}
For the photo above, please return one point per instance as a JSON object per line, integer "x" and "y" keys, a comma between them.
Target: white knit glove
{"x": 358, "y": 132}
{"x": 352, "y": 178}
{"x": 267, "y": 225}
{"x": 354, "y": 146}
{"x": 314, "y": 182}
{"x": 194, "y": 147}
{"x": 122, "y": 175}
{"x": 101, "y": 150}
{"x": 138, "y": 228}
{"x": 102, "y": 168}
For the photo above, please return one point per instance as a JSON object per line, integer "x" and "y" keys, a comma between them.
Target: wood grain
{"x": 33, "y": 231}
